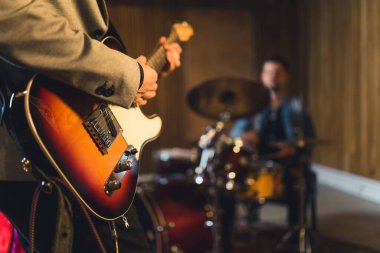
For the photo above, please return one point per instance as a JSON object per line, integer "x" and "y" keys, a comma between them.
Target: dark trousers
{"x": 299, "y": 188}
{"x": 227, "y": 215}
{"x": 130, "y": 240}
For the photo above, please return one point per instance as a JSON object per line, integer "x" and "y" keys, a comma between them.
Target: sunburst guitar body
{"x": 95, "y": 147}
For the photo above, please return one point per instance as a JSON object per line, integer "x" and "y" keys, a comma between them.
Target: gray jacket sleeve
{"x": 35, "y": 37}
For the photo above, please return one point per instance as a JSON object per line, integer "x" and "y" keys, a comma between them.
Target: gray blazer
{"x": 58, "y": 38}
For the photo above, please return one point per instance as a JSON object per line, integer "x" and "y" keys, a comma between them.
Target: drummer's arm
{"x": 285, "y": 151}
{"x": 240, "y": 127}
{"x": 243, "y": 129}
{"x": 251, "y": 137}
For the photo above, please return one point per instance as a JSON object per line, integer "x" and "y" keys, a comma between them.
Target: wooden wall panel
{"x": 343, "y": 80}
{"x": 222, "y": 46}
{"x": 277, "y": 32}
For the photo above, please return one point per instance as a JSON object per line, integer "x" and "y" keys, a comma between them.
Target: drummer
{"x": 275, "y": 130}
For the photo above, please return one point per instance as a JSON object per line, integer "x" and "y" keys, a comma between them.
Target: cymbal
{"x": 238, "y": 96}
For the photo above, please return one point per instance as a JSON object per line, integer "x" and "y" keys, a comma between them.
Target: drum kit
{"x": 180, "y": 202}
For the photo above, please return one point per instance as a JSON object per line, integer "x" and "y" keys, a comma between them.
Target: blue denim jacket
{"x": 292, "y": 120}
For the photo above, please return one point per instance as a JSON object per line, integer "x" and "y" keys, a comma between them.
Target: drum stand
{"x": 211, "y": 143}
{"x": 301, "y": 233}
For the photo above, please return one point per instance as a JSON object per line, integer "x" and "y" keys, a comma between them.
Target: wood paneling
{"x": 277, "y": 33}
{"x": 344, "y": 82}
{"x": 198, "y": 3}
{"x": 222, "y": 46}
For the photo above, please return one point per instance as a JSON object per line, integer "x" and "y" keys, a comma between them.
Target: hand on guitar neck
{"x": 173, "y": 53}
{"x": 149, "y": 85}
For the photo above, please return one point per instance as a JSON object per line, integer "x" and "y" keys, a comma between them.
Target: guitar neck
{"x": 158, "y": 59}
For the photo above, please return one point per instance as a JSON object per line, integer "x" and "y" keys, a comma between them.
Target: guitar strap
{"x": 64, "y": 228}
{"x": 64, "y": 231}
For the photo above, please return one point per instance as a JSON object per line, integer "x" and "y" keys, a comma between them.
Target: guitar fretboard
{"x": 158, "y": 60}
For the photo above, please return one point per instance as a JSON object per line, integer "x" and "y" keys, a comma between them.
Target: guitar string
{"x": 102, "y": 121}
{"x": 158, "y": 59}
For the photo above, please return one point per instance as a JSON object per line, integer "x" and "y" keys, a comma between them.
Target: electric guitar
{"x": 93, "y": 146}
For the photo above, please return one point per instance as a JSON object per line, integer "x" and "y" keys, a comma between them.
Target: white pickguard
{"x": 137, "y": 128}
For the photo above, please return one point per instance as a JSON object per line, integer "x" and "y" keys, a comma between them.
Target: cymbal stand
{"x": 211, "y": 145}
{"x": 301, "y": 231}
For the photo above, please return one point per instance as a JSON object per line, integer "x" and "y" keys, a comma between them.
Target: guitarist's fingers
{"x": 174, "y": 47}
{"x": 149, "y": 94}
{"x": 148, "y": 87}
{"x": 140, "y": 101}
{"x": 161, "y": 40}
{"x": 141, "y": 59}
{"x": 173, "y": 56}
{"x": 172, "y": 63}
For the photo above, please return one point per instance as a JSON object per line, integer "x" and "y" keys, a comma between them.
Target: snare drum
{"x": 246, "y": 177}
{"x": 177, "y": 217}
{"x": 264, "y": 181}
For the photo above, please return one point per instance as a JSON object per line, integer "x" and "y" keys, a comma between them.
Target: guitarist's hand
{"x": 149, "y": 86}
{"x": 173, "y": 56}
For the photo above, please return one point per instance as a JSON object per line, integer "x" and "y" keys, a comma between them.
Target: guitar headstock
{"x": 183, "y": 30}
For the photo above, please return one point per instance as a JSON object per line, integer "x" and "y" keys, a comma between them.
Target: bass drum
{"x": 175, "y": 216}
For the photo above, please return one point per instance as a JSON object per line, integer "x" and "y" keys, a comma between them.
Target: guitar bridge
{"x": 102, "y": 127}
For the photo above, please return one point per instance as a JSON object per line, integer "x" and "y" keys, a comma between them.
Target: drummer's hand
{"x": 250, "y": 137}
{"x": 285, "y": 151}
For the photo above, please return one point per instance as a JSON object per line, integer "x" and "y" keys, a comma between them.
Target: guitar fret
{"x": 158, "y": 60}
